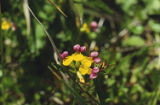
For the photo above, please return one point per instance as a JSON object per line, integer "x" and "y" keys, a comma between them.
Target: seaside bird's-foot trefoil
{"x": 83, "y": 65}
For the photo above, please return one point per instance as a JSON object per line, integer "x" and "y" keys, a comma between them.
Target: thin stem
{"x": 88, "y": 94}
{"x": 84, "y": 90}
{"x": 1, "y": 38}
{"x": 2, "y": 56}
{"x": 48, "y": 35}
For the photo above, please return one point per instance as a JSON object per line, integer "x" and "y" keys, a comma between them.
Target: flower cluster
{"x": 83, "y": 65}
{"x": 88, "y": 28}
{"x": 85, "y": 28}
{"x": 7, "y": 25}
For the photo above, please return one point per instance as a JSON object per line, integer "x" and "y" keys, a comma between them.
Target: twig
{"x": 128, "y": 49}
{"x": 54, "y": 73}
{"x": 27, "y": 16}
{"x": 49, "y": 36}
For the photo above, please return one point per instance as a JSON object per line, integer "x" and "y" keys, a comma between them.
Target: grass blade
{"x": 58, "y": 8}
{"x": 98, "y": 86}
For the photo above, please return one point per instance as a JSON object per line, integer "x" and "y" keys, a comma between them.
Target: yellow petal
{"x": 85, "y": 28}
{"x": 81, "y": 79}
{"x": 85, "y": 25}
{"x": 87, "y": 62}
{"x": 84, "y": 70}
{"x": 89, "y": 71}
{"x": 82, "y": 29}
{"x": 67, "y": 61}
{"x": 77, "y": 56}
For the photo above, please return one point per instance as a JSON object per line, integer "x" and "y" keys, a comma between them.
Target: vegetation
{"x": 34, "y": 71}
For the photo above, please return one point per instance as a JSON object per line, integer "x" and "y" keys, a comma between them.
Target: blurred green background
{"x": 128, "y": 36}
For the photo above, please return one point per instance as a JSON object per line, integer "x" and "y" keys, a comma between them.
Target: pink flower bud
{"x": 94, "y": 25}
{"x": 93, "y": 75}
{"x": 82, "y": 49}
{"x": 97, "y": 60}
{"x": 95, "y": 70}
{"x": 94, "y": 54}
{"x": 76, "y": 47}
{"x": 64, "y": 54}
{"x": 13, "y": 26}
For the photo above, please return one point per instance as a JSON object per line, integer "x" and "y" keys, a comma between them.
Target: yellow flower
{"x": 85, "y": 70}
{"x": 85, "y": 28}
{"x": 74, "y": 57}
{"x": 77, "y": 56}
{"x": 67, "y": 61}
{"x": 85, "y": 66}
{"x": 85, "y": 62}
{"x": 81, "y": 79}
{"x": 5, "y": 25}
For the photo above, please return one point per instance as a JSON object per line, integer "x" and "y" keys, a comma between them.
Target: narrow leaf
{"x": 58, "y": 8}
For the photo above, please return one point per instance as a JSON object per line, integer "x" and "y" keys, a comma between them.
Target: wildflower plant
{"x": 6, "y": 25}
{"x": 85, "y": 66}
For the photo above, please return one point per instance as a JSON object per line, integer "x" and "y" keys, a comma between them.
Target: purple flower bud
{"x": 94, "y": 25}
{"x": 76, "y": 47}
{"x": 95, "y": 70}
{"x": 64, "y": 54}
{"x": 94, "y": 54}
{"x": 93, "y": 75}
{"x": 83, "y": 49}
{"x": 97, "y": 60}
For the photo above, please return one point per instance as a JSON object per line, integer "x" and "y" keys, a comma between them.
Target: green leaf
{"x": 92, "y": 35}
{"x": 39, "y": 37}
{"x": 43, "y": 15}
{"x": 137, "y": 29}
{"x": 133, "y": 41}
{"x": 99, "y": 5}
{"x": 64, "y": 37}
{"x": 154, "y": 26}
{"x": 78, "y": 8}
